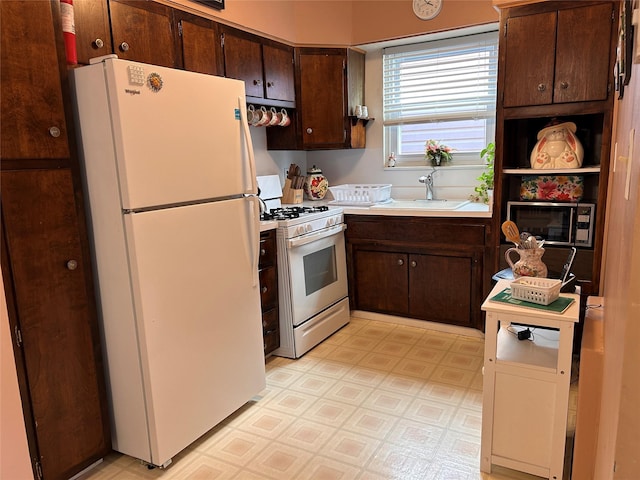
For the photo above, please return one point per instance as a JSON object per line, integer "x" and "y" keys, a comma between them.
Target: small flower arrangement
{"x": 437, "y": 153}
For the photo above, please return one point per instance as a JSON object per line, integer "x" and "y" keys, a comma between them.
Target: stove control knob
{"x": 307, "y": 227}
{"x": 300, "y": 230}
{"x": 330, "y": 222}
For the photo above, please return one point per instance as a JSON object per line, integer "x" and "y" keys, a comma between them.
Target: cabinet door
{"x": 322, "y": 98}
{"x": 529, "y": 60}
{"x": 268, "y": 288}
{"x": 381, "y": 281}
{"x": 93, "y": 35}
{"x": 582, "y": 54}
{"x": 243, "y": 61}
{"x": 143, "y": 32}
{"x": 199, "y": 44}
{"x": 32, "y": 123}
{"x": 52, "y": 291}
{"x": 441, "y": 288}
{"x": 278, "y": 73}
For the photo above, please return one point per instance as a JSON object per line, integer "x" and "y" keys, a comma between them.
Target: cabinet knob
{"x": 542, "y": 87}
{"x": 400, "y": 261}
{"x": 270, "y": 84}
{"x": 309, "y": 131}
{"x": 414, "y": 263}
{"x": 263, "y": 252}
{"x": 72, "y": 264}
{"x": 54, "y": 132}
{"x": 257, "y": 82}
{"x": 98, "y": 43}
{"x": 564, "y": 85}
{"x": 124, "y": 46}
{"x": 264, "y": 289}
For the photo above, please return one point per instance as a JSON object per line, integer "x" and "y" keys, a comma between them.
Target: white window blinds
{"x": 443, "y": 90}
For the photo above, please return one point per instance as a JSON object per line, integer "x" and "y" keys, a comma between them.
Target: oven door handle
{"x": 312, "y": 237}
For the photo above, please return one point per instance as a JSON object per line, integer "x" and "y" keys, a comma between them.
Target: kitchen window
{"x": 443, "y": 90}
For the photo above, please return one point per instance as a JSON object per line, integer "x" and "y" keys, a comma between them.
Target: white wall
{"x": 14, "y": 451}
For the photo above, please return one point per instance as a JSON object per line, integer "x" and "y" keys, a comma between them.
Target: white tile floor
{"x": 375, "y": 401}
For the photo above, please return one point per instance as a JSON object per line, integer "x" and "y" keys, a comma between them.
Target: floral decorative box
{"x": 559, "y": 188}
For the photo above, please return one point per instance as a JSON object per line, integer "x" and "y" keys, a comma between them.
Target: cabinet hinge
{"x": 38, "y": 466}
{"x": 222, "y": 40}
{"x": 344, "y": 65}
{"x": 506, "y": 25}
{"x": 18, "y": 337}
{"x": 180, "y": 28}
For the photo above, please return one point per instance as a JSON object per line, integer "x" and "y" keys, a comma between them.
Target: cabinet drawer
{"x": 267, "y": 250}
{"x": 270, "y": 321}
{"x": 458, "y": 234}
{"x": 270, "y": 330}
{"x": 268, "y": 288}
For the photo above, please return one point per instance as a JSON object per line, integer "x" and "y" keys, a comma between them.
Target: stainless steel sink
{"x": 422, "y": 204}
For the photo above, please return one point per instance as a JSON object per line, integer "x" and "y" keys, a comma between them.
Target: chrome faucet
{"x": 428, "y": 182}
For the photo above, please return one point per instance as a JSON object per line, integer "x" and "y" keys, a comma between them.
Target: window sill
{"x": 408, "y": 168}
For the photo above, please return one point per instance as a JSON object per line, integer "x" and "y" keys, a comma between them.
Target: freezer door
{"x": 198, "y": 320}
{"x": 178, "y": 136}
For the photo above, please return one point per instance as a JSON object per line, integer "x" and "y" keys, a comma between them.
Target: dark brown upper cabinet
{"x": 93, "y": 32}
{"x": 199, "y": 43}
{"x": 265, "y": 66}
{"x": 329, "y": 84}
{"x": 558, "y": 56}
{"x": 144, "y": 31}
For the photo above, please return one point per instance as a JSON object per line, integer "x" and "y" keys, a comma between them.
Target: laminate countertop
{"x": 399, "y": 209}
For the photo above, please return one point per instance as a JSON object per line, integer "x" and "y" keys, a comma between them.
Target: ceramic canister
{"x": 316, "y": 184}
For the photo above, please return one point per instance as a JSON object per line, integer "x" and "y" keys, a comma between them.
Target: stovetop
{"x": 294, "y": 221}
{"x": 288, "y": 213}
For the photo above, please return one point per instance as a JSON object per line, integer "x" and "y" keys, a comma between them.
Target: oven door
{"x": 318, "y": 271}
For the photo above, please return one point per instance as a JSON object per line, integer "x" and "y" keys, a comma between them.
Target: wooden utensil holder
{"x": 291, "y": 195}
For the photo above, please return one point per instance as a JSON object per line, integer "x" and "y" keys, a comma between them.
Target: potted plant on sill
{"x": 484, "y": 191}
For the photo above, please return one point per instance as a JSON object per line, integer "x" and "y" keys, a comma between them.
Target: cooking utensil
{"x": 510, "y": 230}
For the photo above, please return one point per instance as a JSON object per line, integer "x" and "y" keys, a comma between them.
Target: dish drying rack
{"x": 361, "y": 195}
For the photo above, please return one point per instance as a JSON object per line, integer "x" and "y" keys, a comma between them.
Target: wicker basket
{"x": 542, "y": 291}
{"x": 361, "y": 194}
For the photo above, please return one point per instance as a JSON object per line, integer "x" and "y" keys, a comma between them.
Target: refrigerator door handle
{"x": 249, "y": 167}
{"x": 254, "y": 236}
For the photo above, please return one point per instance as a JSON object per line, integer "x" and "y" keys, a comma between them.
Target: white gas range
{"x": 312, "y": 271}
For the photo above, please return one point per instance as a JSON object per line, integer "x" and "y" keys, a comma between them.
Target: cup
{"x": 286, "y": 120}
{"x": 357, "y": 111}
{"x": 273, "y": 117}
{"x": 262, "y": 117}
{"x": 250, "y": 113}
{"x": 365, "y": 112}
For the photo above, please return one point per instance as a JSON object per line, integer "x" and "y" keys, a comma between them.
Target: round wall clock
{"x": 427, "y": 9}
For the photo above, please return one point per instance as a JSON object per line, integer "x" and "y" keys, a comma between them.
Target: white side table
{"x": 526, "y": 387}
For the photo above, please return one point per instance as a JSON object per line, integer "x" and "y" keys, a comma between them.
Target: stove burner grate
{"x": 286, "y": 213}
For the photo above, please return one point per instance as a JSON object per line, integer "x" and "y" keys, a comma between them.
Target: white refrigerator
{"x": 174, "y": 223}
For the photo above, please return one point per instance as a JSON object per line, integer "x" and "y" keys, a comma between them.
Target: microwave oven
{"x": 557, "y": 223}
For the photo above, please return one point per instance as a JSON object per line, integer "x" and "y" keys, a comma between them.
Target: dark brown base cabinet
{"x": 418, "y": 267}
{"x": 268, "y": 272}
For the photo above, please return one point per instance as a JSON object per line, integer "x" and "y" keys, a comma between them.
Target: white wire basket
{"x": 542, "y": 291}
{"x": 367, "y": 194}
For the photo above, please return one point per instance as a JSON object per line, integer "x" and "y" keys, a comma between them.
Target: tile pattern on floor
{"x": 374, "y": 401}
